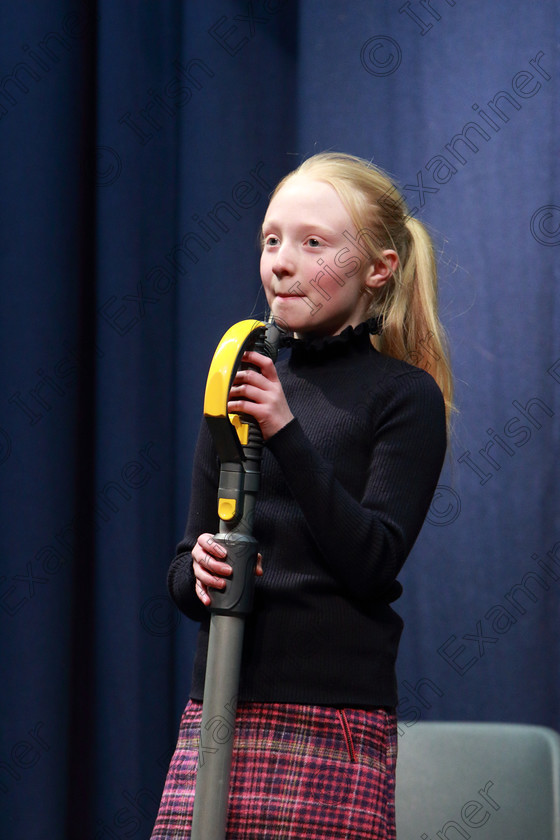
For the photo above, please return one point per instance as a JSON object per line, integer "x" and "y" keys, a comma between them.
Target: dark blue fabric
{"x": 138, "y": 145}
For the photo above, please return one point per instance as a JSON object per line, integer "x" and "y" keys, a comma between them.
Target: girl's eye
{"x": 313, "y": 242}
{"x": 271, "y": 240}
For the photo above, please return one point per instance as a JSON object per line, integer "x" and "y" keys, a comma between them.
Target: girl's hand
{"x": 260, "y": 394}
{"x": 210, "y": 566}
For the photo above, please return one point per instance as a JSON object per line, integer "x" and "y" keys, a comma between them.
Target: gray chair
{"x": 486, "y": 781}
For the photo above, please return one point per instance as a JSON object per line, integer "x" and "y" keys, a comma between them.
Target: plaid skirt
{"x": 310, "y": 772}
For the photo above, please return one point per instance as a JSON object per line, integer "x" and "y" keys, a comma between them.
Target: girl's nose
{"x": 284, "y": 262}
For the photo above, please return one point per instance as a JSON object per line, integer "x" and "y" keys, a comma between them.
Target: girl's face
{"x": 314, "y": 276}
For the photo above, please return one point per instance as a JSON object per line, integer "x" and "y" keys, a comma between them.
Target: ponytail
{"x": 412, "y": 330}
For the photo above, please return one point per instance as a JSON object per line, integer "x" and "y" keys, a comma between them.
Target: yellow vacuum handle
{"x": 229, "y": 431}
{"x": 224, "y": 365}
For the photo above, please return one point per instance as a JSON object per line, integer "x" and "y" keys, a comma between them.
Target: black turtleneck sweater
{"x": 345, "y": 487}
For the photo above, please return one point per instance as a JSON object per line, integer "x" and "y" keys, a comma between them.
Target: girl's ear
{"x": 382, "y": 269}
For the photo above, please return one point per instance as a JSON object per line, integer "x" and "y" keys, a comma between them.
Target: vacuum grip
{"x": 237, "y": 596}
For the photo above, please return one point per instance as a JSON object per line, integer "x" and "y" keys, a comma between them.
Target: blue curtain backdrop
{"x": 139, "y": 142}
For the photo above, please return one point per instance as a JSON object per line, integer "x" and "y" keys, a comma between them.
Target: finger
{"x": 205, "y": 553}
{"x": 203, "y": 594}
{"x": 246, "y": 391}
{"x": 211, "y": 554}
{"x": 211, "y": 564}
{"x": 254, "y": 378}
{"x": 209, "y": 544}
{"x": 206, "y": 578}
{"x": 250, "y": 407}
{"x": 265, "y": 364}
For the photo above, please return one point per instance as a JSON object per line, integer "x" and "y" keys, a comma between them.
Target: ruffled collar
{"x": 333, "y": 345}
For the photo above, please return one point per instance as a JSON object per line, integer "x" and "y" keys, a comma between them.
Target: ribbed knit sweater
{"x": 345, "y": 488}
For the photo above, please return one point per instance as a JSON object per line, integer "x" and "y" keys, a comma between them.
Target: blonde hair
{"x": 407, "y": 303}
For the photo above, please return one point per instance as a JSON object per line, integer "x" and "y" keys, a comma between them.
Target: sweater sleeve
{"x": 365, "y": 541}
{"x": 203, "y": 518}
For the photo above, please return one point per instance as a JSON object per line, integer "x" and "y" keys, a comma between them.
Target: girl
{"x": 354, "y": 439}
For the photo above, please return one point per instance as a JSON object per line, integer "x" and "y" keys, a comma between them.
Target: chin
{"x": 285, "y": 318}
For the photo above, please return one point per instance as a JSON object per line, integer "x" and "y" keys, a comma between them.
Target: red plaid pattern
{"x": 298, "y": 772}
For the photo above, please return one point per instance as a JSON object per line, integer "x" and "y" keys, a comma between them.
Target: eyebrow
{"x": 304, "y": 226}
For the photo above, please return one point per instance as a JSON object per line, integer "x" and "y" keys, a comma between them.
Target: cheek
{"x": 266, "y": 274}
{"x": 265, "y": 269}
{"x": 325, "y": 280}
